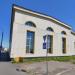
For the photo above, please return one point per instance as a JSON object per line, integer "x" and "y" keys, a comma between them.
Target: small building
{"x": 27, "y": 31}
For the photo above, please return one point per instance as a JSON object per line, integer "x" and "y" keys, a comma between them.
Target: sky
{"x": 63, "y": 10}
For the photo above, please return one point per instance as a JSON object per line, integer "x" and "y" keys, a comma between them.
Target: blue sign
{"x": 44, "y": 37}
{"x": 44, "y": 46}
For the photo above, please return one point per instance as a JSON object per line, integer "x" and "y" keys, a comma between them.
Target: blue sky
{"x": 63, "y": 10}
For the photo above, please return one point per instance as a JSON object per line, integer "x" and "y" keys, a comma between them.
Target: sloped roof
{"x": 44, "y": 16}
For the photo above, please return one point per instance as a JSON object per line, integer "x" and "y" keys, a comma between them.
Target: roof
{"x": 72, "y": 32}
{"x": 44, "y": 16}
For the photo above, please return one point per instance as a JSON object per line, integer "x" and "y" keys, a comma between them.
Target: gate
{"x": 4, "y": 56}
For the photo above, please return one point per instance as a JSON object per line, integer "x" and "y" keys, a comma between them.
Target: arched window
{"x": 50, "y": 29}
{"x": 50, "y": 40}
{"x": 64, "y": 45}
{"x": 63, "y": 32}
{"x": 31, "y": 24}
{"x": 63, "y": 42}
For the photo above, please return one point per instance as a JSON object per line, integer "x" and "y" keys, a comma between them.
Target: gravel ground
{"x": 54, "y": 68}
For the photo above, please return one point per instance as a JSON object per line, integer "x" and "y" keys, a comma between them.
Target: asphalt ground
{"x": 7, "y": 68}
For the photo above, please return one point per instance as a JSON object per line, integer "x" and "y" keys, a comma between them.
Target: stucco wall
{"x": 18, "y": 48}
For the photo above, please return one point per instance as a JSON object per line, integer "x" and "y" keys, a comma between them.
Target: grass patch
{"x": 42, "y": 59}
{"x": 58, "y": 58}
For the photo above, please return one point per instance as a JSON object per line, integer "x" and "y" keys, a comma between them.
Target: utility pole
{"x": 47, "y": 55}
{"x": 45, "y": 46}
{"x": 1, "y": 41}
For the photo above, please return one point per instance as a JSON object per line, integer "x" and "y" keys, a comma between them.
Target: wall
{"x": 18, "y": 48}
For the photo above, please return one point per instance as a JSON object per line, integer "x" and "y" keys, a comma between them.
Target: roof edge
{"x": 72, "y": 32}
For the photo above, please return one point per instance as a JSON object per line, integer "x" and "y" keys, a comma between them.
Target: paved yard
{"x": 54, "y": 68}
{"x": 39, "y": 68}
{"x": 6, "y": 68}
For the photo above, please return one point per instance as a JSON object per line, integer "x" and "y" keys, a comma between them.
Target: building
{"x": 27, "y": 31}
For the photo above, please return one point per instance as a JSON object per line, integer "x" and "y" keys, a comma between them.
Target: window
{"x": 74, "y": 44}
{"x": 30, "y": 42}
{"x": 31, "y": 24}
{"x": 50, "y": 29}
{"x": 50, "y": 43}
{"x": 63, "y": 32}
{"x": 64, "y": 45}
